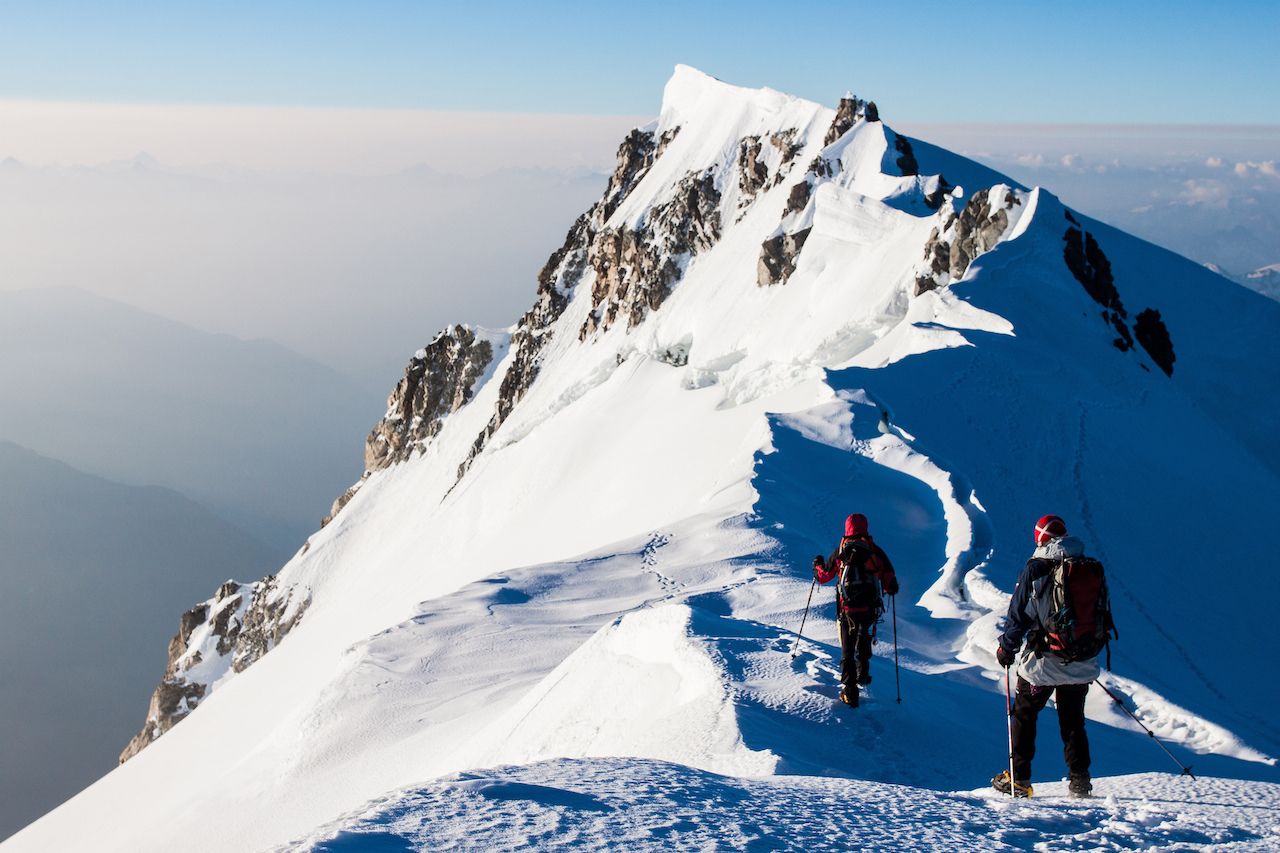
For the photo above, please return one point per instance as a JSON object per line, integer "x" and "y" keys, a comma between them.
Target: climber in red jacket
{"x": 865, "y": 571}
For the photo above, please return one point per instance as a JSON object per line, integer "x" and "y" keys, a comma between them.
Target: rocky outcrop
{"x": 953, "y": 246}
{"x": 906, "y": 156}
{"x": 563, "y": 272}
{"x": 439, "y": 380}
{"x": 778, "y": 257}
{"x": 633, "y": 276}
{"x": 226, "y": 634}
{"x": 788, "y": 148}
{"x": 1151, "y": 333}
{"x": 798, "y": 198}
{"x": 753, "y": 174}
{"x": 635, "y": 155}
{"x": 822, "y": 168}
{"x": 1091, "y": 267}
{"x": 1087, "y": 262}
{"x": 980, "y": 226}
{"x": 845, "y": 117}
{"x": 635, "y": 268}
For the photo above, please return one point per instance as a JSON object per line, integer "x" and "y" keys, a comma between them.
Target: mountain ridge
{"x": 668, "y": 440}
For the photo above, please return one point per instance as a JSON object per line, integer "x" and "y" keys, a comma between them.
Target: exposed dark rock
{"x": 676, "y": 355}
{"x": 821, "y": 167}
{"x": 266, "y": 621}
{"x": 560, "y": 275}
{"x": 1070, "y": 218}
{"x": 785, "y": 142}
{"x": 753, "y": 174}
{"x": 635, "y": 155}
{"x": 1154, "y": 337}
{"x": 978, "y": 229}
{"x": 668, "y": 136}
{"x": 778, "y": 257}
{"x": 846, "y": 116}
{"x": 526, "y": 346}
{"x": 1091, "y": 267}
{"x": 339, "y": 503}
{"x": 1124, "y": 343}
{"x": 939, "y": 194}
{"x": 871, "y": 112}
{"x": 798, "y": 198}
{"x": 689, "y": 221}
{"x": 938, "y": 254}
{"x": 193, "y": 617}
{"x": 633, "y": 276}
{"x": 1085, "y": 259}
{"x": 244, "y": 621}
{"x": 951, "y": 248}
{"x": 438, "y": 381}
{"x": 906, "y": 157}
{"x": 636, "y": 268}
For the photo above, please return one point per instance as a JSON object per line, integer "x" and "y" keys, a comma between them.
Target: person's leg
{"x": 1027, "y": 705}
{"x": 1075, "y": 743}
{"x": 864, "y": 654}
{"x": 848, "y": 657}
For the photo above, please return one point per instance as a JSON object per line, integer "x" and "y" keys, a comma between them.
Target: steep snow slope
{"x": 777, "y": 314}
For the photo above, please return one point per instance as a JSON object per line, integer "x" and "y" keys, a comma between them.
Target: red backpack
{"x": 1075, "y": 609}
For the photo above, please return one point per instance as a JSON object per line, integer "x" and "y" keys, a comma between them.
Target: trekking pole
{"x": 800, "y": 633}
{"x": 1186, "y": 768}
{"x": 1008, "y": 705}
{"x": 897, "y": 682}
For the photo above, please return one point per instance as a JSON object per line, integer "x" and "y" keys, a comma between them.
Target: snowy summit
{"x": 559, "y": 607}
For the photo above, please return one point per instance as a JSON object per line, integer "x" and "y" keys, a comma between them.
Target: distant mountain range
{"x": 93, "y": 573}
{"x": 1265, "y": 280}
{"x": 250, "y": 429}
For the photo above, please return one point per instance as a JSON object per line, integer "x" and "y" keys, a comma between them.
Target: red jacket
{"x": 878, "y": 564}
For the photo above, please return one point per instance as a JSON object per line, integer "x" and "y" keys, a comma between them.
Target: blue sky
{"x": 1089, "y": 61}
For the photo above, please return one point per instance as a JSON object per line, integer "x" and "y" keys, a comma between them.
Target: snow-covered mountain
{"x": 1265, "y": 280}
{"x": 565, "y": 592}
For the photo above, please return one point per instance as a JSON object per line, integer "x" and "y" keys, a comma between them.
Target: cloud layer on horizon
{"x": 353, "y": 235}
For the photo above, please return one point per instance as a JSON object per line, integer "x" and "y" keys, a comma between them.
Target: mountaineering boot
{"x": 849, "y": 697}
{"x": 1080, "y": 788}
{"x": 864, "y": 676}
{"x": 1020, "y": 789}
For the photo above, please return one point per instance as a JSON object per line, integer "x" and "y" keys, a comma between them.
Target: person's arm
{"x": 825, "y": 570}
{"x": 888, "y": 578}
{"x": 1019, "y": 621}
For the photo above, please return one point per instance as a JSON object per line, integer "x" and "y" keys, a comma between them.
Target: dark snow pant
{"x": 1028, "y": 704}
{"x": 855, "y": 650}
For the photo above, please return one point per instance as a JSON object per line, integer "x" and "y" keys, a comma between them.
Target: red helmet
{"x": 855, "y": 525}
{"x": 1049, "y": 527}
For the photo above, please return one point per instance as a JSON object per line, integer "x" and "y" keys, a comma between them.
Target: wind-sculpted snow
{"x": 610, "y": 804}
{"x": 590, "y": 577}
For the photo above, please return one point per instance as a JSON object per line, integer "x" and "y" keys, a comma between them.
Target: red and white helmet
{"x": 1049, "y": 527}
{"x": 855, "y": 525}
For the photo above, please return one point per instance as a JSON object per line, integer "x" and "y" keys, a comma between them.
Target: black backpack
{"x": 859, "y": 586}
{"x": 1075, "y": 610}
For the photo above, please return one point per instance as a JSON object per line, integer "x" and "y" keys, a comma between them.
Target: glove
{"x": 819, "y": 564}
{"x": 891, "y": 587}
{"x": 1004, "y": 657}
